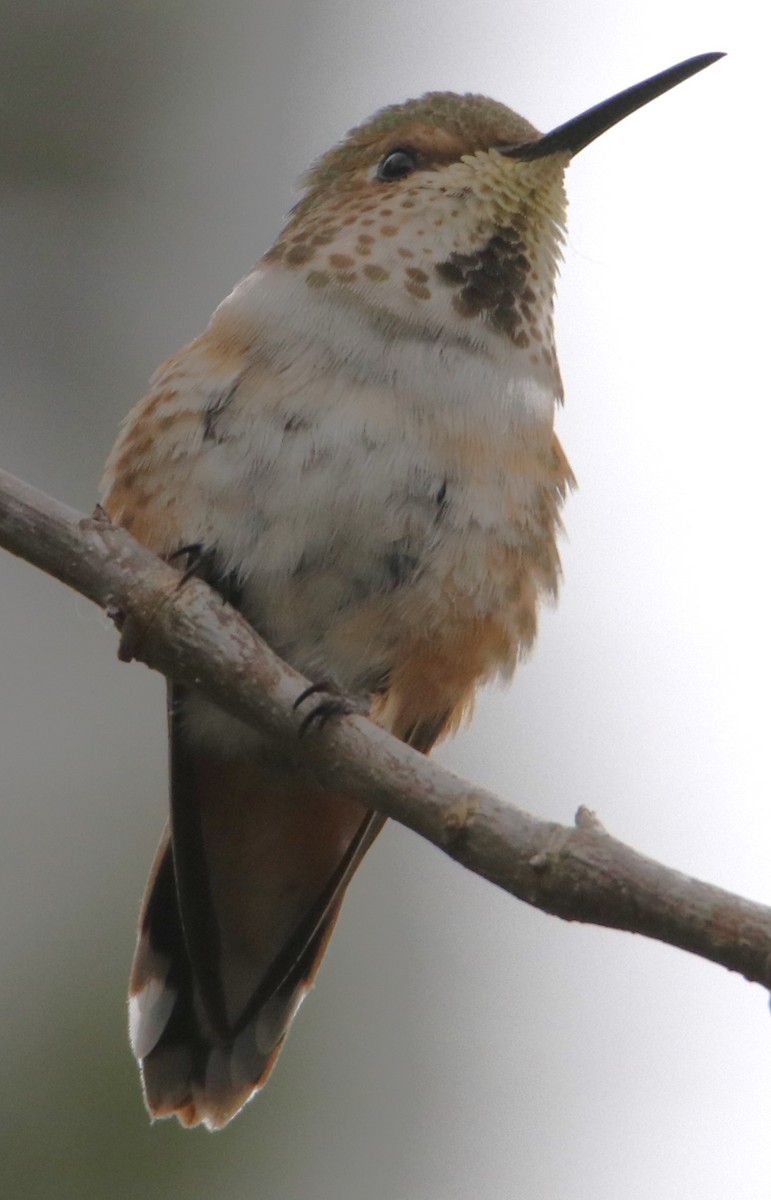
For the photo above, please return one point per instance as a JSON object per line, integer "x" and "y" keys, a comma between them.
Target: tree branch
{"x": 186, "y": 632}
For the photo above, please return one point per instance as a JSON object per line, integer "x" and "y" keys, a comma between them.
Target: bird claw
{"x": 323, "y": 685}
{"x": 194, "y": 553}
{"x": 336, "y": 705}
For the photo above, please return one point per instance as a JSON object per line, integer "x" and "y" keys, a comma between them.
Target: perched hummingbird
{"x": 358, "y": 453}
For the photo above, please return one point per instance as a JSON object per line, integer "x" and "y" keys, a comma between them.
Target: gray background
{"x": 458, "y": 1044}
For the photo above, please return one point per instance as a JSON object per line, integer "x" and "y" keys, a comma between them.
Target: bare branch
{"x": 579, "y": 874}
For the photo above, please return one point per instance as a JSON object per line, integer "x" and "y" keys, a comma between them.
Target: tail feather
{"x": 244, "y": 894}
{"x": 215, "y": 985}
{"x": 188, "y": 1070}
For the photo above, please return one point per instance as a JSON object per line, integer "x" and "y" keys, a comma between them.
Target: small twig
{"x": 579, "y": 874}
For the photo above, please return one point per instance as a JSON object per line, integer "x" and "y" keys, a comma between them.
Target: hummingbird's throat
{"x": 470, "y": 249}
{"x": 496, "y": 284}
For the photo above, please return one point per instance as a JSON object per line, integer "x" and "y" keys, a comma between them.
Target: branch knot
{"x": 457, "y": 822}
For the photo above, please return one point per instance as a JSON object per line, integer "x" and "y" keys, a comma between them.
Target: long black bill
{"x": 575, "y": 134}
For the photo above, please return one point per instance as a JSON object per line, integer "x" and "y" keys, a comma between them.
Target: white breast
{"x": 357, "y": 465}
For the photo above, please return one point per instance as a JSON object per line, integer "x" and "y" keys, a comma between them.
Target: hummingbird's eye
{"x": 397, "y": 164}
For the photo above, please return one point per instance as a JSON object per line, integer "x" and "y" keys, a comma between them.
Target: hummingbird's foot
{"x": 131, "y": 629}
{"x": 194, "y": 553}
{"x": 202, "y": 564}
{"x": 337, "y": 704}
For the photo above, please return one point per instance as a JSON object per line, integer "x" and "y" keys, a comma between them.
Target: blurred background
{"x": 458, "y": 1044}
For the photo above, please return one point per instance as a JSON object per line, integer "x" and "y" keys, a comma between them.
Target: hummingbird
{"x": 359, "y": 455}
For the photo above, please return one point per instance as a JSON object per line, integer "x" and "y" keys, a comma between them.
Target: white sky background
{"x": 457, "y": 1045}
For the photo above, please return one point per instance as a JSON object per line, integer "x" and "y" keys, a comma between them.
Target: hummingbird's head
{"x": 445, "y": 215}
{"x": 421, "y": 212}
